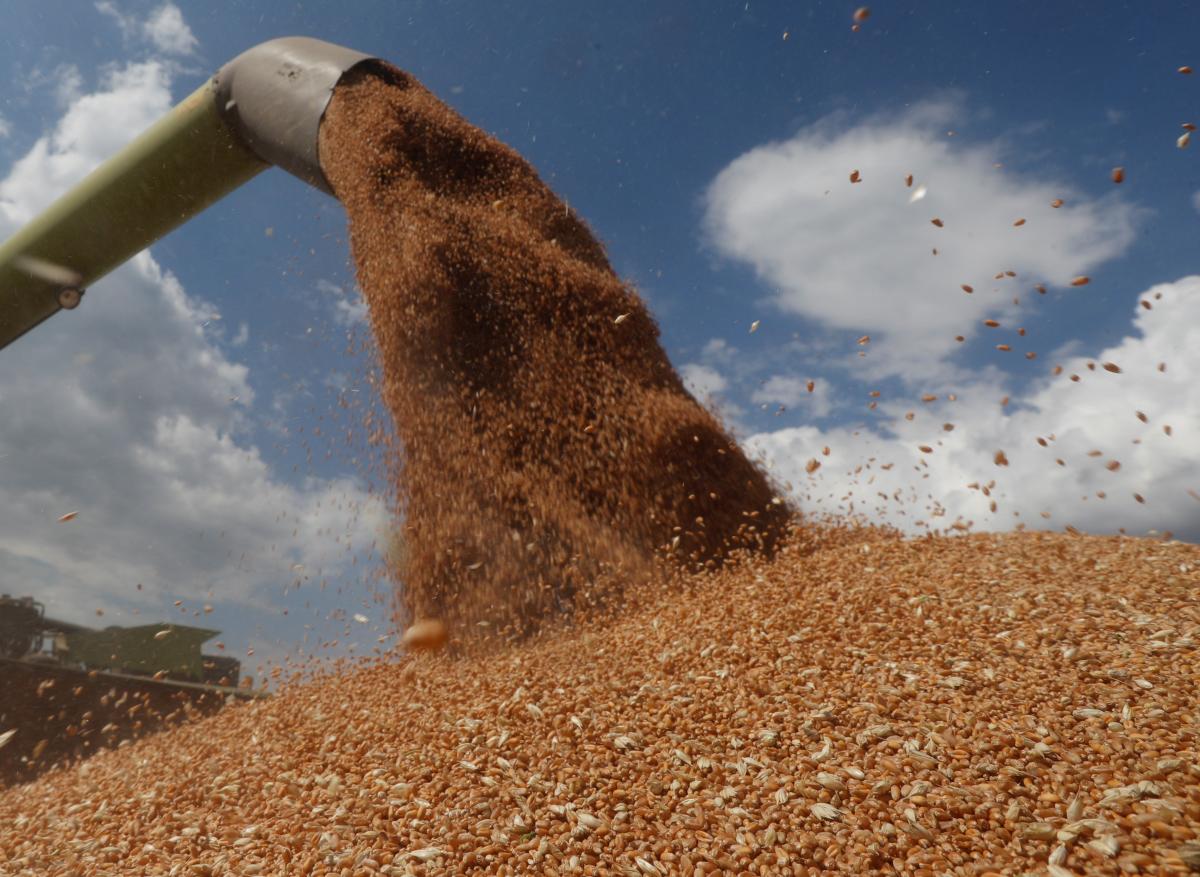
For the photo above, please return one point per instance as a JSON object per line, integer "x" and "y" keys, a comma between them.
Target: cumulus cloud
{"x": 64, "y": 82}
{"x": 1145, "y": 419}
{"x": 711, "y": 384}
{"x": 793, "y": 392}
{"x": 126, "y": 23}
{"x": 702, "y": 381}
{"x": 859, "y": 256}
{"x": 165, "y": 28}
{"x": 94, "y": 127}
{"x": 129, "y": 412}
{"x": 350, "y": 312}
{"x": 67, "y": 84}
{"x": 349, "y": 308}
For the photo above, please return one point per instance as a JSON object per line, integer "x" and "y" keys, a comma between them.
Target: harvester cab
{"x": 21, "y": 623}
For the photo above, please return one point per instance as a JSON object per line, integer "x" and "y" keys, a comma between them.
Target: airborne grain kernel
{"x": 426, "y": 635}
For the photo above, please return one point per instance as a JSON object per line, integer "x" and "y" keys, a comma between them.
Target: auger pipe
{"x": 263, "y": 108}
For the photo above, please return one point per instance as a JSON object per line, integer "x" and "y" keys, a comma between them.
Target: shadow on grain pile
{"x": 547, "y": 452}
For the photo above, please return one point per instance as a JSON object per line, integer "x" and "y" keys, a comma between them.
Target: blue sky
{"x": 709, "y": 145}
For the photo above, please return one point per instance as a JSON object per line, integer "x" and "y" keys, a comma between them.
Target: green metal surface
{"x": 140, "y": 650}
{"x": 183, "y": 163}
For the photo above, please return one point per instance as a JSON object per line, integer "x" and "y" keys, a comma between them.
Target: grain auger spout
{"x": 263, "y": 108}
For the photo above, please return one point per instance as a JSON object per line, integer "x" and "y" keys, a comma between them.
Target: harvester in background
{"x": 160, "y": 651}
{"x": 68, "y": 689}
{"x": 22, "y": 621}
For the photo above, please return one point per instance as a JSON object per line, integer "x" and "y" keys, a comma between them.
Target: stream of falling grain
{"x": 549, "y": 449}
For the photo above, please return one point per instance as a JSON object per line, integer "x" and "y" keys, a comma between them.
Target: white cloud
{"x": 125, "y": 22}
{"x": 124, "y": 410}
{"x": 68, "y": 84}
{"x": 1099, "y": 412}
{"x": 64, "y": 81}
{"x": 793, "y": 393}
{"x": 858, "y": 257}
{"x": 347, "y": 312}
{"x": 727, "y": 378}
{"x": 702, "y": 381}
{"x": 349, "y": 309}
{"x": 709, "y": 384}
{"x": 165, "y": 29}
{"x": 93, "y": 128}
{"x": 718, "y": 350}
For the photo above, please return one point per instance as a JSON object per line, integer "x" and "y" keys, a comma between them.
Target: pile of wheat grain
{"x": 984, "y": 704}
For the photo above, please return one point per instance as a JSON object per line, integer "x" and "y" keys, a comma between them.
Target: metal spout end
{"x": 274, "y": 97}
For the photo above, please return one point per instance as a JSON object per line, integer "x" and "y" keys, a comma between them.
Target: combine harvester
{"x": 263, "y": 108}
{"x": 69, "y": 690}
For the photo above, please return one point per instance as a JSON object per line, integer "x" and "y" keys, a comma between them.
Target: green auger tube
{"x": 263, "y": 108}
